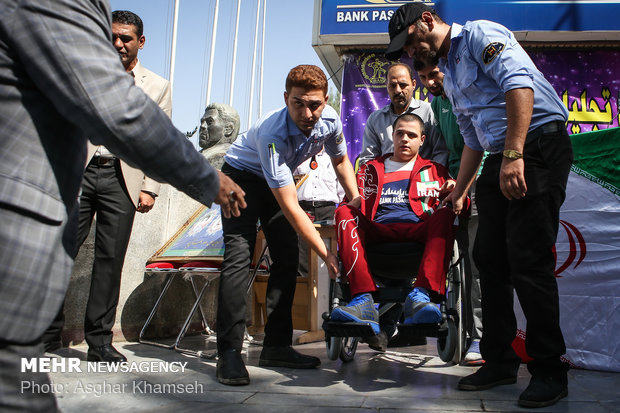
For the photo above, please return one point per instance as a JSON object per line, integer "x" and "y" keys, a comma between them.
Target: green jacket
{"x": 442, "y": 109}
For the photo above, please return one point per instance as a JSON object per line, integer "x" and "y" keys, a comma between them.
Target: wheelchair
{"x": 393, "y": 266}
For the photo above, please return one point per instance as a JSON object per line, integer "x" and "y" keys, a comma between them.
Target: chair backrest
{"x": 394, "y": 260}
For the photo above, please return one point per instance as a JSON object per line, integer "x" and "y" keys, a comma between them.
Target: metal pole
{"x": 262, "y": 62}
{"x": 173, "y": 48}
{"x": 253, "y": 65}
{"x": 212, "y": 52}
{"x": 234, "y": 61}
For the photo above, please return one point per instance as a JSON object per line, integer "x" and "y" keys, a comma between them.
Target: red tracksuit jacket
{"x": 424, "y": 182}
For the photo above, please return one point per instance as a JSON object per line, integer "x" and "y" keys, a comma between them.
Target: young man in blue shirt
{"x": 261, "y": 162}
{"x": 504, "y": 105}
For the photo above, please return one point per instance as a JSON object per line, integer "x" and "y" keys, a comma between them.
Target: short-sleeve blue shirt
{"x": 275, "y": 146}
{"x": 484, "y": 62}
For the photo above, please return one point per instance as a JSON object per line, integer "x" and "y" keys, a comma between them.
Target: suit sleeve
{"x": 165, "y": 103}
{"x": 66, "y": 49}
{"x": 165, "y": 100}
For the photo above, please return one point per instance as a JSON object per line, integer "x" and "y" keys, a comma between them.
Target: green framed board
{"x": 200, "y": 238}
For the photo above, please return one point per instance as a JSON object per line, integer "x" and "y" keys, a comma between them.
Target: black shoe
{"x": 106, "y": 353}
{"x": 286, "y": 357}
{"x": 231, "y": 368}
{"x": 543, "y": 391}
{"x": 486, "y": 377}
{"x": 378, "y": 342}
{"x": 51, "y": 346}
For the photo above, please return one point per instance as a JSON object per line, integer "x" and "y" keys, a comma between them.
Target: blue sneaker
{"x": 360, "y": 310}
{"x": 419, "y": 309}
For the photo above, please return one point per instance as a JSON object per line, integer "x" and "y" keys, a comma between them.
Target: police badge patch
{"x": 340, "y": 138}
{"x": 491, "y": 51}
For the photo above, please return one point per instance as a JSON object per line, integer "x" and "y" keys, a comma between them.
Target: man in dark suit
{"x": 114, "y": 191}
{"x": 60, "y": 81}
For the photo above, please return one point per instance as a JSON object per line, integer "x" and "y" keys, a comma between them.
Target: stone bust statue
{"x": 219, "y": 127}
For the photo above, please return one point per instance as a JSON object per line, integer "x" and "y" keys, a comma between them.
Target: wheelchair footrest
{"x": 420, "y": 330}
{"x": 348, "y": 329}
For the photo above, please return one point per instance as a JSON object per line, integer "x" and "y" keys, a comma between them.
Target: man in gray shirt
{"x": 378, "y": 132}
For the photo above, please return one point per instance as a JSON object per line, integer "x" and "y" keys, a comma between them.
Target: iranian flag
{"x": 588, "y": 255}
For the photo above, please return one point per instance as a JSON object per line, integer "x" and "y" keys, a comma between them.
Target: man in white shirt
{"x": 318, "y": 192}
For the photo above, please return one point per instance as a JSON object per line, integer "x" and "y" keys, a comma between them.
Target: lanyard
{"x": 313, "y": 163}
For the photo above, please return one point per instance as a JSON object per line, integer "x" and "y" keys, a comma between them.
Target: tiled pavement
{"x": 408, "y": 379}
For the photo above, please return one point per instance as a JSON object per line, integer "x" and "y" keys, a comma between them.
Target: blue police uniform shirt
{"x": 275, "y": 146}
{"x": 484, "y": 62}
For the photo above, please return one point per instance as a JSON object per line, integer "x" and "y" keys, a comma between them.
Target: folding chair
{"x": 171, "y": 270}
{"x": 209, "y": 271}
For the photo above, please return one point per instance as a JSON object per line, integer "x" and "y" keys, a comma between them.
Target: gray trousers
{"x": 473, "y": 306}
{"x": 23, "y": 392}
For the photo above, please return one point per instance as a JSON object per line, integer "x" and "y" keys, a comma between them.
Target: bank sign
{"x": 358, "y": 16}
{"x": 372, "y": 16}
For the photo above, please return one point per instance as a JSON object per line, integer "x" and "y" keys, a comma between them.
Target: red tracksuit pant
{"x": 355, "y": 231}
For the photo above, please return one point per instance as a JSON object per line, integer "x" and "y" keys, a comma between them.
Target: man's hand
{"x": 332, "y": 265}
{"x": 512, "y": 178}
{"x": 230, "y": 197}
{"x": 145, "y": 203}
{"x": 356, "y": 203}
{"x": 457, "y": 201}
{"x": 446, "y": 188}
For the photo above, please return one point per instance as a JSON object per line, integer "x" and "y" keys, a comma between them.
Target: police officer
{"x": 261, "y": 161}
{"x": 504, "y": 105}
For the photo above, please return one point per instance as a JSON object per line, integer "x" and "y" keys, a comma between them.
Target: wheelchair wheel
{"x": 340, "y": 347}
{"x": 334, "y": 347}
{"x": 446, "y": 345}
{"x": 349, "y": 346}
{"x": 450, "y": 346}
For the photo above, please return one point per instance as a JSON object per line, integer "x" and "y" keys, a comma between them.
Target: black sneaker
{"x": 286, "y": 356}
{"x": 231, "y": 368}
{"x": 543, "y": 391}
{"x": 487, "y": 377}
{"x": 378, "y": 342}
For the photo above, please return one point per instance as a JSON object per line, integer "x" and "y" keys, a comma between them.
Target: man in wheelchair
{"x": 400, "y": 201}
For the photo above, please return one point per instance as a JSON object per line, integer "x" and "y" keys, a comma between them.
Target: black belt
{"x": 102, "y": 161}
{"x": 549, "y": 128}
{"x": 316, "y": 204}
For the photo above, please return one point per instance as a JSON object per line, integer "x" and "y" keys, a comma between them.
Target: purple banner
{"x": 588, "y": 84}
{"x": 585, "y": 81}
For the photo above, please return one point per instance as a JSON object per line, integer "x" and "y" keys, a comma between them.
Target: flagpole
{"x": 212, "y": 53}
{"x": 234, "y": 61}
{"x": 253, "y": 65}
{"x": 262, "y": 62}
{"x": 173, "y": 48}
